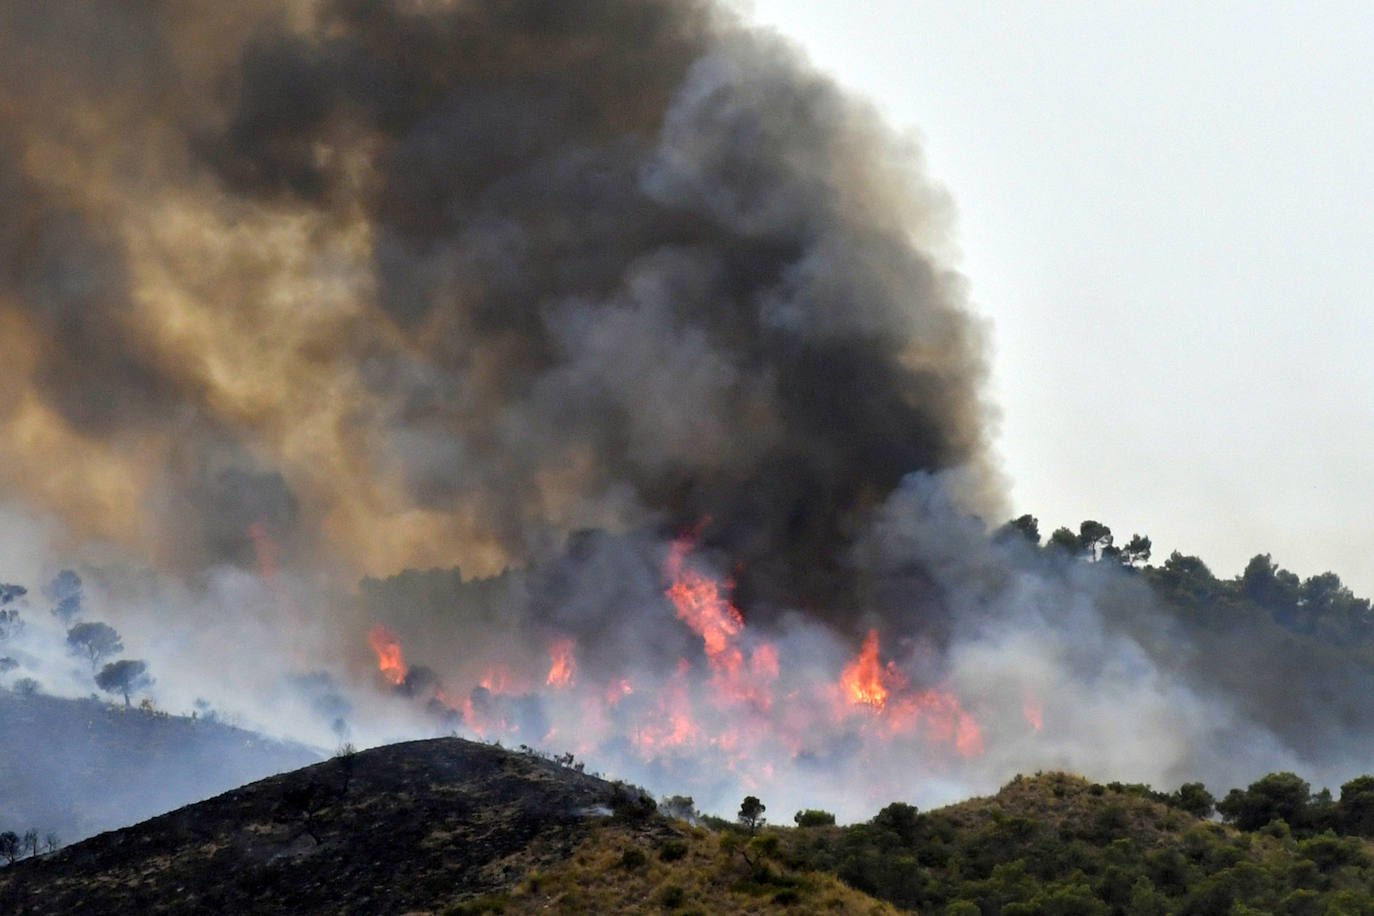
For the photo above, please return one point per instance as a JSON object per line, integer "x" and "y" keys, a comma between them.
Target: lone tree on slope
{"x": 9, "y": 846}
{"x": 124, "y": 676}
{"x": 96, "y": 641}
{"x": 65, "y": 593}
{"x": 751, "y": 813}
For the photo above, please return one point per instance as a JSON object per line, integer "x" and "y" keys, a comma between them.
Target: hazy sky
{"x": 1166, "y": 212}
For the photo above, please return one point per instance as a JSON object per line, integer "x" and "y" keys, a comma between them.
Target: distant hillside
{"x": 77, "y": 767}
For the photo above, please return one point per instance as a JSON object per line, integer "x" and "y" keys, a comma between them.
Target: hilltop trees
{"x": 1277, "y": 797}
{"x": 94, "y": 640}
{"x": 65, "y": 592}
{"x": 10, "y": 623}
{"x": 1026, "y": 527}
{"x": 751, "y": 813}
{"x": 1094, "y": 538}
{"x": 9, "y": 846}
{"x": 124, "y": 677}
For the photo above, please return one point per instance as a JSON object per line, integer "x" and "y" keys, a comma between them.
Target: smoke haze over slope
{"x": 292, "y": 294}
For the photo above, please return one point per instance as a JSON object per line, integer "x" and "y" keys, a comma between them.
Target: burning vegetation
{"x": 294, "y": 295}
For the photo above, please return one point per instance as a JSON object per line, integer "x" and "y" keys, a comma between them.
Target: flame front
{"x": 702, "y": 607}
{"x": 742, "y": 706}
{"x": 868, "y": 682}
{"x": 863, "y": 677}
{"x": 562, "y": 664}
{"x": 390, "y": 661}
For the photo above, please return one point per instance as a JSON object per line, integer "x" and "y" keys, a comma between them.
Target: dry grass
{"x": 621, "y": 870}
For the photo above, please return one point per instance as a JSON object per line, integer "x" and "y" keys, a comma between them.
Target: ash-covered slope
{"x": 413, "y": 826}
{"x": 76, "y": 767}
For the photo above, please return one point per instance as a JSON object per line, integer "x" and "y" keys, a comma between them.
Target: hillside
{"x": 443, "y": 825}
{"x": 455, "y": 827}
{"x": 77, "y": 767}
{"x": 1058, "y": 844}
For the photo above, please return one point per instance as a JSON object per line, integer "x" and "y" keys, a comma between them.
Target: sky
{"x": 1165, "y": 212}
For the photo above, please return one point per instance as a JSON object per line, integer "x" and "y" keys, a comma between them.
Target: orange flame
{"x": 617, "y": 691}
{"x": 865, "y": 679}
{"x": 563, "y": 664}
{"x": 702, "y": 603}
{"x": 702, "y": 607}
{"x": 726, "y": 707}
{"x": 390, "y": 661}
{"x": 500, "y": 679}
{"x": 1033, "y": 711}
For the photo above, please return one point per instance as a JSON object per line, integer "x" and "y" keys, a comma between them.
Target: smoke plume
{"x": 558, "y": 295}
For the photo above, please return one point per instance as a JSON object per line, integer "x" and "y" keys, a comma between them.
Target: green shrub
{"x": 672, "y": 896}
{"x": 672, "y": 851}
{"x": 633, "y": 858}
{"x": 813, "y": 817}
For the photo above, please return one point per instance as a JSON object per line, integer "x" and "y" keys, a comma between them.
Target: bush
{"x": 1193, "y": 798}
{"x": 672, "y": 896}
{"x": 672, "y": 851}
{"x": 812, "y": 817}
{"x": 633, "y": 858}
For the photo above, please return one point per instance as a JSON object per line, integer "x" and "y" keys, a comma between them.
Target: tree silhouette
{"x": 65, "y": 593}
{"x": 96, "y": 641}
{"x": 1093, "y": 538}
{"x": 124, "y": 676}
{"x": 1025, "y": 526}
{"x": 751, "y": 813}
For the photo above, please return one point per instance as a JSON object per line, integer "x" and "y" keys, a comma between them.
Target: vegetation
{"x": 1057, "y": 844}
{"x": 123, "y": 677}
{"x": 1288, "y": 652}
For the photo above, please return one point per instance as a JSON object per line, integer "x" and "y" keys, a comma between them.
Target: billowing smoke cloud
{"x": 295, "y": 293}
{"x": 417, "y": 283}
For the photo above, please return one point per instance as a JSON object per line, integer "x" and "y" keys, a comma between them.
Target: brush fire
{"x": 373, "y": 358}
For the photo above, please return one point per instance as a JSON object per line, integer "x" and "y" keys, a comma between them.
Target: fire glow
{"x": 390, "y": 661}
{"x": 563, "y": 664}
{"x": 741, "y": 703}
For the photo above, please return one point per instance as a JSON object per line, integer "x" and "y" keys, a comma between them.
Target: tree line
{"x": 94, "y": 641}
{"x": 1321, "y": 606}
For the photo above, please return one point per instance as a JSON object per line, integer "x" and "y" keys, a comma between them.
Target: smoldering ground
{"x": 297, "y": 293}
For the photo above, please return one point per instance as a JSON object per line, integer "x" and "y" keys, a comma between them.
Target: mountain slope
{"x": 405, "y": 827}
{"x": 77, "y": 767}
{"x": 443, "y": 825}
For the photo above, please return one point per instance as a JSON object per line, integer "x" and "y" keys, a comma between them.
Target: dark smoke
{"x": 485, "y": 303}
{"x": 609, "y": 264}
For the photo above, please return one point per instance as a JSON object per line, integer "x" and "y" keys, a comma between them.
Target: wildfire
{"x": 865, "y": 679}
{"x": 617, "y": 691}
{"x": 702, "y": 607}
{"x": 501, "y": 679}
{"x": 390, "y": 661}
{"x": 703, "y": 604}
{"x": 723, "y": 710}
{"x": 1033, "y": 711}
{"x": 563, "y": 664}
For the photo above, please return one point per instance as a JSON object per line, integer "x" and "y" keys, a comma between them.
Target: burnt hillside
{"x": 413, "y": 826}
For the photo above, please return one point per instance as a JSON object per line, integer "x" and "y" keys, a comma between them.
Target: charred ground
{"x": 406, "y": 827}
